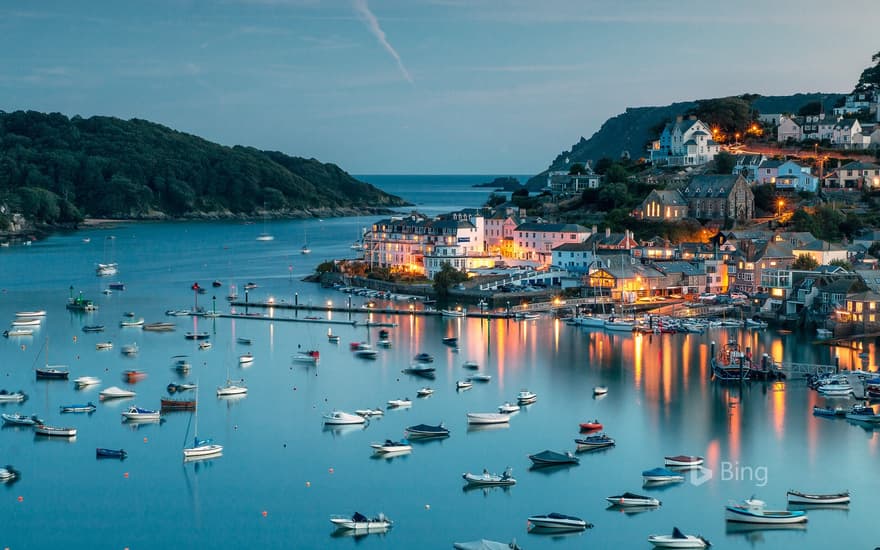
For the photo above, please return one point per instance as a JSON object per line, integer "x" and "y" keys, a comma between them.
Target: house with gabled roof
{"x": 791, "y": 176}
{"x": 535, "y": 241}
{"x": 854, "y": 175}
{"x": 665, "y": 205}
{"x": 719, "y": 196}
{"x": 747, "y": 166}
{"x": 844, "y": 131}
{"x": 768, "y": 171}
{"x": 685, "y": 142}
{"x": 788, "y": 130}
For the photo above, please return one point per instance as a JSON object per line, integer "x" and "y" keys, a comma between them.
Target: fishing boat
{"x": 591, "y": 426}
{"x": 678, "y": 540}
{"x": 12, "y": 397}
{"x": 600, "y": 390}
{"x": 796, "y": 497}
{"x": 54, "y": 431}
{"x": 752, "y": 510}
{"x": 130, "y": 349}
{"x": 426, "y": 431}
{"x": 558, "y": 522}
{"x": 52, "y": 373}
{"x": 340, "y": 418}
{"x": 488, "y": 418}
{"x": 397, "y": 403}
{"x": 863, "y": 413}
{"x": 93, "y": 328}
{"x": 310, "y": 357}
{"x": 201, "y": 448}
{"x": 473, "y": 365}
{"x": 824, "y": 411}
{"x": 246, "y": 359}
{"x": 80, "y": 408}
{"x": 115, "y": 392}
{"x": 632, "y": 500}
{"x": 464, "y": 385}
{"x": 110, "y": 453}
{"x": 138, "y": 414}
{"x": 593, "y": 442}
{"x": 683, "y": 461}
{"x": 480, "y": 378}
{"x": 17, "y": 419}
{"x": 18, "y": 332}
{"x": 360, "y": 522}
{"x": 552, "y": 458}
{"x": 661, "y": 475}
{"x": 170, "y": 404}
{"x": 525, "y": 397}
{"x": 391, "y": 447}
{"x": 36, "y": 313}
{"x": 369, "y": 412}
{"x": 232, "y": 387}
{"x": 424, "y": 392}
{"x": 508, "y": 408}
{"x": 196, "y": 335}
{"x": 132, "y": 323}
{"x": 488, "y": 480}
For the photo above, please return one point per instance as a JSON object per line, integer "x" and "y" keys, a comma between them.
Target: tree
{"x": 765, "y": 198}
{"x": 724, "y": 163}
{"x": 495, "y": 199}
{"x": 520, "y": 193}
{"x": 730, "y": 114}
{"x": 805, "y": 262}
{"x": 842, "y": 263}
{"x": 602, "y": 165}
{"x": 445, "y": 278}
{"x": 612, "y": 195}
{"x": 577, "y": 169}
{"x": 616, "y": 173}
{"x": 810, "y": 109}
{"x": 869, "y": 80}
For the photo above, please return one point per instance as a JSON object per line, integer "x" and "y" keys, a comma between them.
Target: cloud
{"x": 373, "y": 25}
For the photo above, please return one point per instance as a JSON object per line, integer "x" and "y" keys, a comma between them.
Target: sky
{"x": 417, "y": 86}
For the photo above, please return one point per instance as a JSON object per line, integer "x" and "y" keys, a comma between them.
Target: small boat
{"x": 196, "y": 335}
{"x": 455, "y": 313}
{"x": 310, "y": 357}
{"x": 591, "y": 426}
{"x": 619, "y": 325}
{"x": 245, "y": 341}
{"x": 425, "y": 431}
{"x": 8, "y": 473}
{"x": 117, "y": 286}
{"x": 250, "y": 286}
{"x": 678, "y": 540}
{"x": 489, "y": 480}
{"x": 246, "y": 359}
{"x": 115, "y": 392}
{"x": 93, "y": 328}
{"x": 752, "y": 510}
{"x": 232, "y": 387}
{"x": 133, "y": 375}
{"x": 54, "y": 431}
{"x": 488, "y": 418}
{"x": 133, "y": 323}
{"x": 169, "y": 404}
{"x": 18, "y": 332}
{"x": 365, "y": 351}
{"x": 37, "y": 313}
{"x": 86, "y": 408}
{"x": 369, "y": 412}
{"x": 205, "y": 345}
{"x": 661, "y": 475}
{"x": 526, "y": 397}
{"x": 600, "y": 390}
{"x": 26, "y": 323}
{"x": 12, "y": 397}
{"x": 632, "y": 499}
{"x": 391, "y": 447}
{"x": 397, "y": 403}
{"x": 159, "y": 327}
{"x": 683, "y": 461}
{"x": 484, "y": 544}
{"x": 360, "y": 522}
{"x": 340, "y": 418}
{"x": 424, "y": 392}
{"x": 480, "y": 378}
{"x": 181, "y": 364}
{"x": 17, "y": 419}
{"x": 129, "y": 349}
{"x": 593, "y": 442}
{"x": 333, "y": 338}
{"x": 424, "y": 358}
{"x": 101, "y": 346}
{"x": 823, "y": 411}
{"x": 863, "y": 413}
{"x": 552, "y": 458}
{"x": 508, "y": 408}
{"x": 216, "y": 284}
{"x": 110, "y": 453}
{"x": 136, "y": 414}
{"x": 473, "y": 365}
{"x": 420, "y": 369}
{"x": 174, "y": 388}
{"x": 558, "y": 522}
{"x": 52, "y": 373}
{"x": 796, "y": 497}
{"x": 464, "y": 385}
{"x": 450, "y": 340}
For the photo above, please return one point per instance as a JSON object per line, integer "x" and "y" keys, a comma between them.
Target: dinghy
{"x": 340, "y": 418}
{"x": 488, "y": 418}
{"x": 487, "y": 479}
{"x": 593, "y": 442}
{"x": 683, "y": 461}
{"x": 369, "y": 412}
{"x": 110, "y": 453}
{"x": 80, "y": 408}
{"x": 552, "y": 458}
{"x": 796, "y": 497}
{"x": 678, "y": 540}
{"x": 360, "y": 522}
{"x": 591, "y": 426}
{"x": 661, "y": 475}
{"x": 558, "y": 522}
{"x": 632, "y": 499}
{"x": 752, "y": 510}
{"x": 391, "y": 447}
{"x": 17, "y": 419}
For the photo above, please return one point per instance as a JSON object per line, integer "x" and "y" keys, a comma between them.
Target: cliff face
{"x": 631, "y": 130}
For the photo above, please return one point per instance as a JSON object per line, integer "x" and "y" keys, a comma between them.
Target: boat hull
{"x": 667, "y": 541}
{"x": 767, "y": 517}
{"x": 795, "y": 497}
{"x": 488, "y": 418}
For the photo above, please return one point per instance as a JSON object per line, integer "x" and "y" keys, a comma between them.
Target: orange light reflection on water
{"x": 778, "y": 400}
{"x": 637, "y": 360}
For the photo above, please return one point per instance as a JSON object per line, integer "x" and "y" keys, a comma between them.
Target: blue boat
{"x": 591, "y": 442}
{"x": 552, "y": 458}
{"x": 87, "y": 408}
{"x": 425, "y": 431}
{"x": 110, "y": 453}
{"x": 656, "y": 475}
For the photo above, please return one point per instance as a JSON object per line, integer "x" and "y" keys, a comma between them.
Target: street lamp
{"x": 779, "y": 205}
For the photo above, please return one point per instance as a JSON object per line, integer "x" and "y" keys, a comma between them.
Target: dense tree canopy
{"x": 805, "y": 262}
{"x": 729, "y": 114}
{"x": 870, "y": 78}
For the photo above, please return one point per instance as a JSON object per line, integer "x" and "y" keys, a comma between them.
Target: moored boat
{"x": 52, "y": 373}
{"x": 526, "y": 397}
{"x": 369, "y": 412}
{"x": 424, "y": 392}
{"x": 488, "y": 418}
{"x": 426, "y": 431}
{"x": 139, "y": 414}
{"x": 484, "y": 544}
{"x": 683, "y": 461}
{"x": 129, "y": 349}
{"x": 169, "y": 404}
{"x": 246, "y": 359}
{"x": 863, "y": 413}
{"x": 678, "y": 540}
{"x": 101, "y": 346}
{"x": 340, "y": 418}
{"x": 232, "y": 387}
{"x": 558, "y": 522}
{"x": 796, "y": 497}
{"x": 54, "y": 431}
{"x": 825, "y": 411}
{"x": 464, "y": 385}
{"x": 196, "y": 335}
{"x": 600, "y": 390}
{"x": 390, "y": 446}
{"x": 110, "y": 453}
{"x": 473, "y": 365}
{"x": 552, "y": 458}
{"x": 661, "y": 475}
{"x": 480, "y": 378}
{"x": 632, "y": 499}
{"x": 424, "y": 358}
{"x": 752, "y": 510}
{"x": 159, "y": 327}
{"x": 508, "y": 408}
{"x": 310, "y": 357}
{"x": 591, "y": 425}
{"x": 360, "y": 522}
{"x": 93, "y": 328}
{"x": 132, "y": 323}
{"x": 397, "y": 403}
{"x": 487, "y": 479}
{"x": 115, "y": 392}
{"x": 79, "y": 408}
{"x": 18, "y": 332}
{"x": 593, "y": 442}
{"x": 8, "y": 473}
{"x": 420, "y": 369}
{"x": 17, "y": 419}
{"x": 12, "y": 397}
{"x": 26, "y": 322}
{"x": 35, "y": 313}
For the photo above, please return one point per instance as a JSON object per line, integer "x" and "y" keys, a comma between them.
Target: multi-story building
{"x": 855, "y": 175}
{"x": 535, "y": 241}
{"x": 791, "y": 176}
{"x": 719, "y": 196}
{"x": 666, "y": 205}
{"x": 499, "y": 227}
{"x": 684, "y": 143}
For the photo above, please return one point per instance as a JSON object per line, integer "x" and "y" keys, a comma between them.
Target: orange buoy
{"x": 145, "y": 440}
{"x": 21, "y": 499}
{"x": 125, "y": 475}
{"x": 265, "y": 513}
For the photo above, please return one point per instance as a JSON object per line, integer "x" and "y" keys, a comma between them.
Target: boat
{"x": 129, "y": 349}
{"x": 731, "y": 364}
{"x": 453, "y": 313}
{"x": 80, "y": 304}
{"x": 244, "y": 341}
{"x": 205, "y": 345}
{"x": 824, "y": 411}
{"x": 8, "y": 473}
{"x": 424, "y": 358}
{"x": 333, "y": 338}
{"x": 115, "y": 392}
{"x": 12, "y": 397}
{"x": 340, "y": 418}
{"x": 480, "y": 378}
{"x": 365, "y": 351}
{"x": 591, "y": 426}
{"x": 305, "y": 249}
{"x": 824, "y": 333}
{"x": 396, "y": 403}
{"x": 752, "y": 510}
{"x": 552, "y": 458}
{"x": 526, "y": 397}
{"x": 600, "y": 390}
{"x": 181, "y": 364}
{"x": 216, "y": 284}
{"x": 105, "y": 270}
{"x": 755, "y": 323}
{"x": 133, "y": 323}
{"x": 796, "y": 497}
{"x": 558, "y": 522}
{"x": 678, "y": 540}
{"x": 137, "y": 414}
{"x": 250, "y": 286}
{"x": 473, "y": 365}
{"x": 488, "y": 418}
{"x": 632, "y": 499}
{"x": 54, "y": 431}
{"x": 110, "y": 453}
{"x": 196, "y": 335}
{"x": 508, "y": 408}
{"x": 485, "y": 544}
{"x": 80, "y": 408}
{"x": 488, "y": 480}
{"x": 133, "y": 375}
{"x": 246, "y": 359}
{"x": 93, "y": 328}
{"x": 420, "y": 369}
{"x": 593, "y": 442}
{"x": 201, "y": 448}
{"x": 369, "y": 412}
{"x": 391, "y": 447}
{"x": 18, "y": 332}
{"x": 265, "y": 237}
{"x": 661, "y": 475}
{"x": 232, "y": 387}
{"x": 36, "y": 313}
{"x": 617, "y": 325}
{"x": 173, "y": 388}
{"x": 450, "y": 340}
{"x": 26, "y": 323}
{"x": 52, "y": 373}
{"x": 464, "y": 385}
{"x": 169, "y": 404}
{"x": 424, "y": 392}
{"x": 360, "y": 522}
{"x": 117, "y": 286}
{"x": 683, "y": 461}
{"x": 310, "y": 357}
{"x": 863, "y": 413}
{"x": 426, "y": 431}
{"x": 103, "y": 346}
{"x": 17, "y": 419}
{"x": 159, "y": 327}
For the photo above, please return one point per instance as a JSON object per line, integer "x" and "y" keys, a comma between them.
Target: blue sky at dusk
{"x": 417, "y": 86}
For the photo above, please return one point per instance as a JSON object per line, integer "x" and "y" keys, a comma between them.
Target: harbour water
{"x": 282, "y": 473}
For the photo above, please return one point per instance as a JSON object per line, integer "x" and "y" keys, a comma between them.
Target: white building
{"x": 684, "y": 143}
{"x": 535, "y": 241}
{"x": 788, "y": 130}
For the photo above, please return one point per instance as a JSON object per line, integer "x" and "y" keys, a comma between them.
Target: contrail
{"x": 373, "y": 24}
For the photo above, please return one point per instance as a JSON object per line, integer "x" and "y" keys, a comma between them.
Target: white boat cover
{"x": 484, "y": 544}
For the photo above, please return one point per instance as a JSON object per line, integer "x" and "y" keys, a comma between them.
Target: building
{"x": 855, "y": 102}
{"x": 684, "y": 143}
{"x": 791, "y": 176}
{"x": 499, "y": 227}
{"x": 854, "y": 175}
{"x": 753, "y": 258}
{"x": 861, "y": 309}
{"x": 823, "y": 252}
{"x": 665, "y": 205}
{"x": 623, "y": 278}
{"x": 844, "y": 132}
{"x": 612, "y": 241}
{"x": 535, "y": 241}
{"x": 563, "y": 183}
{"x": 576, "y": 258}
{"x": 719, "y": 196}
{"x": 788, "y": 130}
{"x": 768, "y": 170}
{"x": 747, "y": 166}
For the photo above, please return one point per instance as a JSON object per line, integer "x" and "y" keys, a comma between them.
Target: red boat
{"x": 591, "y": 426}
{"x": 132, "y": 376}
{"x": 178, "y": 404}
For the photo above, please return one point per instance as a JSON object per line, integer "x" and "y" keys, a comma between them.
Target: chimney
{"x": 607, "y": 232}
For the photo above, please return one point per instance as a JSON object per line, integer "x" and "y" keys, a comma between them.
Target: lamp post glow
{"x": 779, "y": 206}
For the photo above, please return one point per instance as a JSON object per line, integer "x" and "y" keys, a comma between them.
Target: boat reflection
{"x": 810, "y": 507}
{"x": 390, "y": 456}
{"x": 661, "y": 485}
{"x": 344, "y": 429}
{"x": 755, "y": 532}
{"x": 548, "y": 469}
{"x": 552, "y": 533}
{"x": 201, "y": 459}
{"x": 486, "y": 489}
{"x": 630, "y": 510}
{"x": 487, "y": 427}
{"x": 357, "y": 533}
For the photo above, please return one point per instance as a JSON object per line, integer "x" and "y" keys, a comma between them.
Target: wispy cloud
{"x": 373, "y": 25}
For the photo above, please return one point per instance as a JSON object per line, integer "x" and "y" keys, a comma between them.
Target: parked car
{"x": 708, "y": 297}
{"x": 739, "y": 296}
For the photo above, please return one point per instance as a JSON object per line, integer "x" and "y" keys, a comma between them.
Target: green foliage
{"x": 577, "y": 169}
{"x": 805, "y": 262}
{"x": 103, "y": 166}
{"x": 765, "y": 198}
{"x": 602, "y": 165}
{"x": 730, "y": 114}
{"x": 842, "y": 263}
{"x": 616, "y": 173}
{"x": 724, "y": 163}
{"x": 874, "y": 249}
{"x": 495, "y": 199}
{"x": 810, "y": 109}
{"x": 445, "y": 278}
{"x": 870, "y": 77}
{"x": 612, "y": 195}
{"x": 326, "y": 267}
{"x": 520, "y": 193}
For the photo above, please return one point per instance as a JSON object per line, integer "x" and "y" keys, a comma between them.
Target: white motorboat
{"x": 397, "y": 403}
{"x": 683, "y": 461}
{"x": 600, "y": 390}
{"x": 488, "y": 418}
{"x": 115, "y": 392}
{"x": 752, "y": 510}
{"x": 246, "y": 359}
{"x": 508, "y": 408}
{"x": 484, "y": 544}
{"x": 678, "y": 540}
{"x": 132, "y": 323}
{"x": 755, "y": 323}
{"x": 54, "y": 431}
{"x": 619, "y": 326}
{"x": 473, "y": 365}
{"x": 632, "y": 499}
{"x": 136, "y": 414}
{"x": 369, "y": 412}
{"x": 307, "y": 357}
{"x": 558, "y": 522}
{"x": 340, "y": 418}
{"x": 12, "y": 397}
{"x": 18, "y": 332}
{"x": 796, "y": 497}
{"x": 101, "y": 346}
{"x": 17, "y": 419}
{"x": 26, "y": 322}
{"x": 424, "y": 392}
{"x": 836, "y": 390}
{"x": 359, "y": 522}
{"x": 526, "y": 397}
{"x": 464, "y": 385}
{"x": 487, "y": 479}
{"x": 84, "y": 381}
{"x": 480, "y": 378}
{"x": 265, "y": 237}
{"x": 38, "y": 313}
{"x": 391, "y": 447}
{"x": 365, "y": 351}
{"x": 232, "y": 387}
{"x": 104, "y": 270}
{"x": 863, "y": 413}
{"x": 8, "y": 474}
{"x": 130, "y": 349}
{"x": 661, "y": 475}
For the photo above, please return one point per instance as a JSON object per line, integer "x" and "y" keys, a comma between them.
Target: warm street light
{"x": 779, "y": 205}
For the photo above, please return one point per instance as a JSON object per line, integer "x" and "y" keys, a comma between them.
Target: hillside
{"x": 632, "y": 130}
{"x": 55, "y": 170}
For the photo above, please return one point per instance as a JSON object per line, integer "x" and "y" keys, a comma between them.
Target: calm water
{"x": 279, "y": 459}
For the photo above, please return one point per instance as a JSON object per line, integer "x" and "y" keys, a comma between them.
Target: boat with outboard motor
{"x": 489, "y": 480}
{"x": 632, "y": 499}
{"x": 558, "y": 522}
{"x": 752, "y": 510}
{"x": 678, "y": 540}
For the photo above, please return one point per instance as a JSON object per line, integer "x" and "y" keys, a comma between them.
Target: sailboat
{"x": 305, "y": 248}
{"x": 108, "y": 268}
{"x": 52, "y": 372}
{"x": 201, "y": 448}
{"x": 265, "y": 235}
